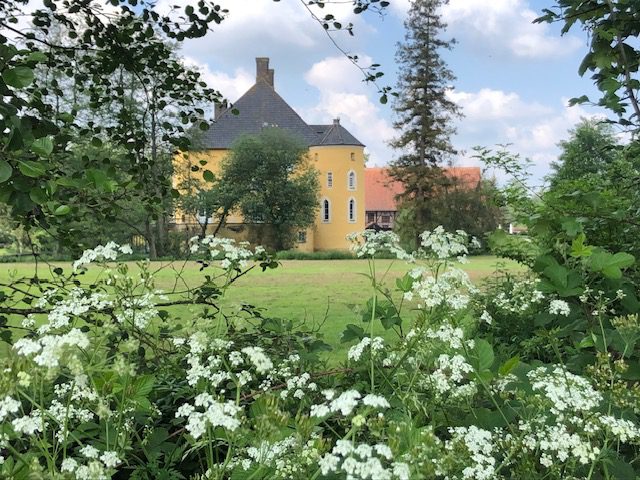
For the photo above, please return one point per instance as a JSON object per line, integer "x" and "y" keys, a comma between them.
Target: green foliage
{"x": 272, "y": 182}
{"x": 590, "y": 150}
{"x": 613, "y": 54}
{"x": 127, "y": 90}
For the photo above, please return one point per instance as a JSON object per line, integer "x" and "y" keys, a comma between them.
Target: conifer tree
{"x": 424, "y": 114}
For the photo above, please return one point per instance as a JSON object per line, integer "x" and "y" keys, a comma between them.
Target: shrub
{"x": 106, "y": 380}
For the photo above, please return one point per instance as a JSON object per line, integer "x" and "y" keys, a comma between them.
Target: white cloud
{"x": 533, "y": 130}
{"x": 501, "y": 26}
{"x": 489, "y": 104}
{"x": 252, "y": 28}
{"x": 232, "y": 87}
{"x": 343, "y": 95}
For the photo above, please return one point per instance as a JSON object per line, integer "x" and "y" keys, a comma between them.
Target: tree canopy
{"x": 273, "y": 183}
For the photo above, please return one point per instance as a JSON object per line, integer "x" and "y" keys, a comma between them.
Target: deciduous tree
{"x": 274, "y": 183}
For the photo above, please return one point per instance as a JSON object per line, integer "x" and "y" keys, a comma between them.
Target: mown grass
{"x": 321, "y": 293}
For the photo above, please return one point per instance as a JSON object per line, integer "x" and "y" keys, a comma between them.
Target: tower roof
{"x": 261, "y": 107}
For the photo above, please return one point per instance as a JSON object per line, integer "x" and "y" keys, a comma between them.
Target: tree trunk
{"x": 151, "y": 240}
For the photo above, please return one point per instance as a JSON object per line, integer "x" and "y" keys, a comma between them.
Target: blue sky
{"x": 513, "y": 77}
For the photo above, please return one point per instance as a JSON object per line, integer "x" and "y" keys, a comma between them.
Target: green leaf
{"x": 96, "y": 142}
{"x": 579, "y": 249}
{"x": 208, "y": 176}
{"x": 352, "y": 332}
{"x": 18, "y": 77}
{"x": 509, "y": 365}
{"x": 42, "y": 146}
{"x": 571, "y": 226}
{"x": 38, "y": 195}
{"x": 37, "y": 57}
{"x": 405, "y": 283}
{"x": 62, "y": 210}
{"x": 5, "y": 171}
{"x": 144, "y": 385}
{"x": 482, "y": 355}
{"x": 31, "y": 169}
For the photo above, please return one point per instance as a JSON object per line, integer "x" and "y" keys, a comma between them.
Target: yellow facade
{"x": 341, "y": 177}
{"x": 340, "y": 161}
{"x": 333, "y": 151}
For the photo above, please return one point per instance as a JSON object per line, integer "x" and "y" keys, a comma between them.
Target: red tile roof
{"x": 381, "y": 190}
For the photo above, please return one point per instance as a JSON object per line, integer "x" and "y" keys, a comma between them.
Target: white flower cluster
{"x": 449, "y": 380}
{"x": 566, "y": 392}
{"x": 451, "y": 336}
{"x": 208, "y": 357}
{"x": 444, "y": 245}
{"x": 363, "y": 461}
{"x": 376, "y": 345}
{"x": 76, "y": 303}
{"x": 97, "y": 464}
{"x": 623, "y": 429}
{"x": 213, "y": 414}
{"x": 559, "y": 307}
{"x": 368, "y": 243}
{"x": 346, "y": 402}
{"x": 138, "y": 311}
{"x": 101, "y": 253}
{"x": 230, "y": 254}
{"x": 556, "y": 443}
{"x": 519, "y": 297}
{"x": 8, "y": 405}
{"x": 50, "y": 349}
{"x": 479, "y": 444}
{"x": 285, "y": 456}
{"x": 450, "y": 289}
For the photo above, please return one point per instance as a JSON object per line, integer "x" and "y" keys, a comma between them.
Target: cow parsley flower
{"x": 29, "y": 424}
{"x": 565, "y": 391}
{"x": 559, "y": 307}
{"x": 356, "y": 351}
{"x": 8, "y": 405}
{"x": 214, "y": 414}
{"x": 259, "y": 359}
{"x": 368, "y": 243}
{"x": 110, "y": 459}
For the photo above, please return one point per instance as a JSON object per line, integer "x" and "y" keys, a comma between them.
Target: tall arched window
{"x": 351, "y": 180}
{"x": 326, "y": 211}
{"x": 329, "y": 179}
{"x": 351, "y": 210}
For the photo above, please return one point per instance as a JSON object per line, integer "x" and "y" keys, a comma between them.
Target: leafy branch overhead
{"x": 85, "y": 74}
{"x": 613, "y": 57}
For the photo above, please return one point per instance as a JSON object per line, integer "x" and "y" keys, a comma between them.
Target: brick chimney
{"x": 263, "y": 72}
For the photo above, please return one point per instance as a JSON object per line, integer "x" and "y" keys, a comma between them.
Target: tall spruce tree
{"x": 424, "y": 114}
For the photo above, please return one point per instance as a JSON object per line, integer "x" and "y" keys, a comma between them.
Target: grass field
{"x": 315, "y": 291}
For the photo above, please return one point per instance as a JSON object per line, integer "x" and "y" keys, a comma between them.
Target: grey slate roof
{"x": 261, "y": 107}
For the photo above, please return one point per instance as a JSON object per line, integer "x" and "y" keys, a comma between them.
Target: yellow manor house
{"x": 336, "y": 154}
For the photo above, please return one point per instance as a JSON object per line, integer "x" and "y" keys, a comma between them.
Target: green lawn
{"x": 316, "y": 291}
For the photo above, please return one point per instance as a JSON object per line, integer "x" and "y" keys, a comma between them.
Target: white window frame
{"x": 351, "y": 187}
{"x": 351, "y": 219}
{"x": 329, "y": 179}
